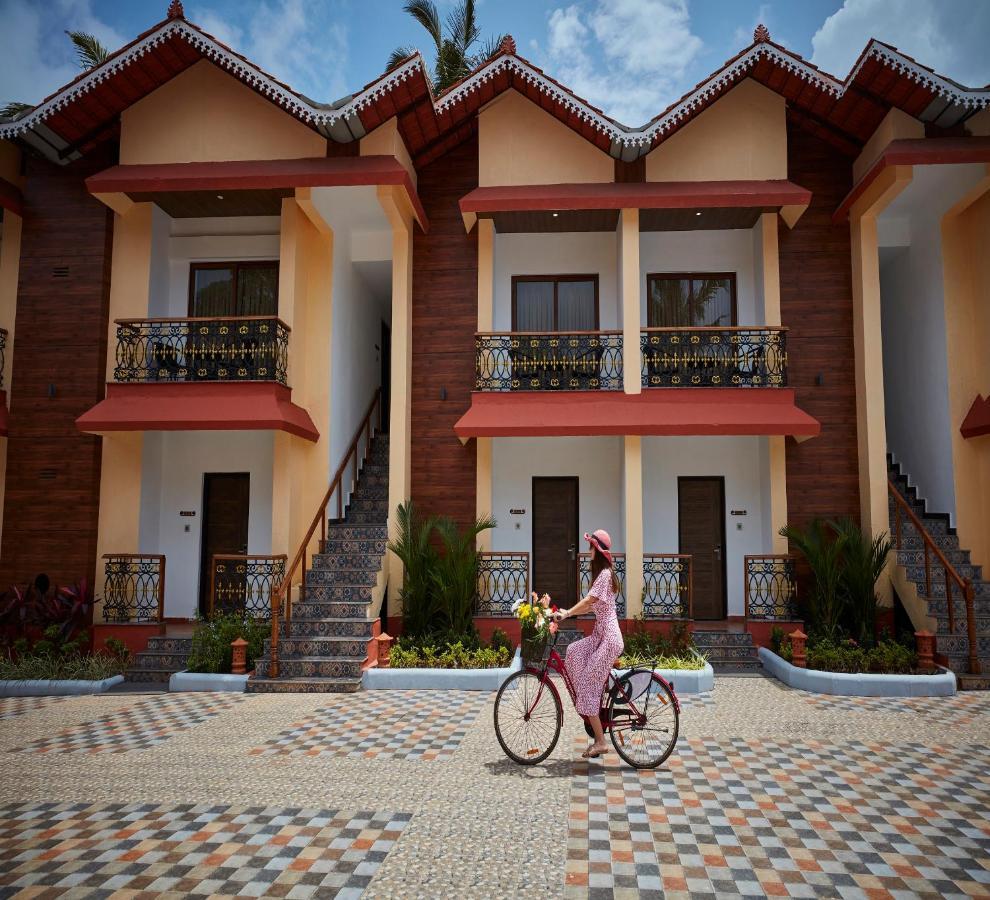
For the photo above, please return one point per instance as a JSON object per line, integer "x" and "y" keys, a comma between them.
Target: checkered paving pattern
{"x": 731, "y": 817}
{"x": 704, "y": 700}
{"x": 960, "y": 709}
{"x": 145, "y": 724}
{"x": 11, "y": 707}
{"x": 191, "y": 850}
{"x": 409, "y": 725}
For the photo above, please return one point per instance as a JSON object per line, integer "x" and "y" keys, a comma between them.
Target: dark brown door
{"x": 226, "y": 496}
{"x": 701, "y": 523}
{"x": 555, "y": 538}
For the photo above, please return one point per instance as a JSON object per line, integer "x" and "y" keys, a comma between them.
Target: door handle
{"x": 243, "y": 550}
{"x": 717, "y": 551}
{"x": 571, "y": 550}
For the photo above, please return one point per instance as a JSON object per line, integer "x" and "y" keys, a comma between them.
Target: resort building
{"x": 242, "y": 326}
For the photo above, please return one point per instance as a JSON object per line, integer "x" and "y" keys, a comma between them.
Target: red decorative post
{"x": 798, "y": 641}
{"x": 384, "y": 649}
{"x": 239, "y": 664}
{"x": 925, "y": 642}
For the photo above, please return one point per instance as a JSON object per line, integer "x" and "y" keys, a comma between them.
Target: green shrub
{"x": 62, "y": 660}
{"x": 211, "y": 650}
{"x": 886, "y": 658}
{"x": 500, "y": 641}
{"x": 776, "y": 639}
{"x": 409, "y": 655}
{"x": 685, "y": 661}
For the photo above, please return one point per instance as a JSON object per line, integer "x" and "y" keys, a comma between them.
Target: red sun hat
{"x": 601, "y": 542}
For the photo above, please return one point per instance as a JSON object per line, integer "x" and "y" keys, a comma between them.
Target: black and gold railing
{"x": 503, "y": 578}
{"x": 714, "y": 357}
{"x": 584, "y": 579}
{"x": 254, "y": 348}
{"x": 244, "y": 584}
{"x": 134, "y": 587}
{"x": 771, "y": 586}
{"x": 668, "y": 586}
{"x": 550, "y": 361}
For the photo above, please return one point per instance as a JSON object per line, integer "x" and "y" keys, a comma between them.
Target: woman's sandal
{"x": 591, "y": 753}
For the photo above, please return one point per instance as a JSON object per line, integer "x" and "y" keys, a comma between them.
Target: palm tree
{"x": 454, "y": 60}
{"x": 90, "y": 53}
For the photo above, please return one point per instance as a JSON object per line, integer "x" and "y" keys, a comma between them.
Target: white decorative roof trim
{"x": 291, "y": 102}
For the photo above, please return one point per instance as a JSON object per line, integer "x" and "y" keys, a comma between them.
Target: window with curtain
{"x": 691, "y": 300}
{"x": 555, "y": 303}
{"x": 233, "y": 289}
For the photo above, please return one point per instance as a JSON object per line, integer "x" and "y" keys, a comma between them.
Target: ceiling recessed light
{"x": 555, "y": 215}
{"x": 697, "y": 213}
{"x": 220, "y": 197}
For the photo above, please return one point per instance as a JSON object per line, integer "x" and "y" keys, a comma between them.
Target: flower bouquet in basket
{"x": 536, "y": 618}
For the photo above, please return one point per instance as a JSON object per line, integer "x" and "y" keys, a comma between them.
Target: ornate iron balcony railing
{"x": 584, "y": 579}
{"x": 135, "y": 587}
{"x": 667, "y": 586}
{"x": 561, "y": 361}
{"x": 714, "y": 357}
{"x": 254, "y": 348}
{"x": 502, "y": 579}
{"x": 770, "y": 587}
{"x": 245, "y": 584}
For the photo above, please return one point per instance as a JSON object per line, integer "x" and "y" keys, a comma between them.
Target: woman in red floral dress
{"x": 590, "y": 660}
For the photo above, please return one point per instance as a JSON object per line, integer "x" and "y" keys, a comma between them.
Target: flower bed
{"x": 847, "y": 656}
{"x": 211, "y": 651}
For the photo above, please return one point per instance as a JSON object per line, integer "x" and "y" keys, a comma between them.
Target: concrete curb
{"x": 684, "y": 681}
{"x": 63, "y": 687}
{"x": 376, "y": 679}
{"x": 861, "y": 685}
{"x": 207, "y": 681}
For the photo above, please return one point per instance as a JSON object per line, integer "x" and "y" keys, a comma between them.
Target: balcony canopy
{"x": 667, "y": 205}
{"x": 658, "y": 411}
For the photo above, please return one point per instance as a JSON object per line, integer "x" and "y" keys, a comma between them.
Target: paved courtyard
{"x": 770, "y": 792}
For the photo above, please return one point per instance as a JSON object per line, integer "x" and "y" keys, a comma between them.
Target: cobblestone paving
{"x": 770, "y": 791}
{"x": 17, "y": 706}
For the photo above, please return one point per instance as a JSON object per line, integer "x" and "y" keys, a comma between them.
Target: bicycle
{"x": 529, "y": 715}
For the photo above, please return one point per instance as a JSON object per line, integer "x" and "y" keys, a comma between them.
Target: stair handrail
{"x": 284, "y": 592}
{"x": 965, "y": 585}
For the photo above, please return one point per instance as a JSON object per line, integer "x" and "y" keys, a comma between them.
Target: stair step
{"x": 367, "y": 517}
{"x": 345, "y": 577}
{"x": 326, "y": 626}
{"x": 166, "y": 644}
{"x": 258, "y": 685}
{"x": 975, "y": 682}
{"x": 357, "y": 561}
{"x": 707, "y": 639}
{"x": 362, "y": 531}
{"x": 317, "y": 611}
{"x": 313, "y": 667}
{"x": 374, "y": 546}
{"x": 736, "y": 666}
{"x": 336, "y": 593}
{"x": 174, "y": 662}
{"x": 149, "y": 676}
{"x": 319, "y": 647}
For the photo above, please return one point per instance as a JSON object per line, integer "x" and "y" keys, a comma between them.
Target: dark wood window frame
{"x": 690, "y": 277}
{"x": 556, "y": 279}
{"x": 235, "y": 265}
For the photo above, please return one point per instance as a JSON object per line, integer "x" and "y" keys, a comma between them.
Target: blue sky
{"x": 631, "y": 57}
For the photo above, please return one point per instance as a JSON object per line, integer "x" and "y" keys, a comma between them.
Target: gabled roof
{"x": 845, "y": 112}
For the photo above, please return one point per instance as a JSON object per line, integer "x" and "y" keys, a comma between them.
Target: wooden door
{"x": 555, "y": 538}
{"x": 226, "y": 498}
{"x": 701, "y": 525}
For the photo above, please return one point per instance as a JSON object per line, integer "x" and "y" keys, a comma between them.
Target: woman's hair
{"x": 598, "y": 565}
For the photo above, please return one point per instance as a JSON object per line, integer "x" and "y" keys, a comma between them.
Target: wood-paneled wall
{"x": 816, "y": 305}
{"x": 53, "y": 471}
{"x": 445, "y": 317}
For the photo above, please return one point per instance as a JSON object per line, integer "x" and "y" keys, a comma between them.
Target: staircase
{"x": 954, "y": 646}
{"x": 164, "y": 656}
{"x": 729, "y": 652}
{"x": 323, "y": 648}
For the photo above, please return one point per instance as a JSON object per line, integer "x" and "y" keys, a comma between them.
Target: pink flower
{"x": 553, "y": 627}
{"x": 545, "y": 601}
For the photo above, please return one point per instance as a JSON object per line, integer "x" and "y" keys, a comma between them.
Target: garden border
{"x": 685, "y": 682}
{"x": 57, "y": 687}
{"x": 207, "y": 681}
{"x": 377, "y": 679}
{"x": 863, "y": 684}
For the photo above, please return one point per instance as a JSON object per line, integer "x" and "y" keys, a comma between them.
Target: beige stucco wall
{"x": 10, "y": 162}
{"x": 385, "y": 140}
{"x": 896, "y": 125}
{"x": 979, "y": 125}
{"x": 742, "y": 136}
{"x": 966, "y": 272}
{"x": 206, "y": 115}
{"x": 519, "y": 143}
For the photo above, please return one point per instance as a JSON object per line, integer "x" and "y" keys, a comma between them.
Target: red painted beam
{"x": 656, "y": 411}
{"x": 977, "y": 421}
{"x": 11, "y": 198}
{"x": 199, "y": 406}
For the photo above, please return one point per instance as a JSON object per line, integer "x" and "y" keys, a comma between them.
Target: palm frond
{"x": 89, "y": 51}
{"x": 14, "y": 108}
{"x": 398, "y": 56}
{"x": 488, "y": 50}
{"x": 450, "y": 65}
{"x": 425, "y": 12}
{"x": 462, "y": 26}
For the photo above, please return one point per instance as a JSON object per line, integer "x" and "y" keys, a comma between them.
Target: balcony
{"x": 202, "y": 350}
{"x": 245, "y": 584}
{"x": 714, "y": 357}
{"x": 554, "y": 361}
{"x": 134, "y": 588}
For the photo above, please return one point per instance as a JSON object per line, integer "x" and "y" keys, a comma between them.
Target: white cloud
{"x": 949, "y": 36}
{"x": 628, "y": 57}
{"x": 36, "y": 56}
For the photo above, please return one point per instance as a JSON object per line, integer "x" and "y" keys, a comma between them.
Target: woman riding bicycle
{"x": 590, "y": 660}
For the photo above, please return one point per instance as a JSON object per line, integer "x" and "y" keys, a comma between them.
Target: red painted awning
{"x": 169, "y": 406}
{"x": 656, "y": 411}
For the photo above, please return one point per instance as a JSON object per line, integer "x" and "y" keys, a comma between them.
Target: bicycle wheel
{"x": 528, "y": 717}
{"x": 643, "y": 729}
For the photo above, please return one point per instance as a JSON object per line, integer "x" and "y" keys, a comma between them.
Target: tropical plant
{"x": 211, "y": 650}
{"x": 823, "y": 550}
{"x": 863, "y": 562}
{"x": 454, "y": 59}
{"x": 37, "y": 606}
{"x": 455, "y": 570}
{"x": 89, "y": 54}
{"x": 52, "y": 658}
{"x": 448, "y": 656}
{"x": 420, "y": 603}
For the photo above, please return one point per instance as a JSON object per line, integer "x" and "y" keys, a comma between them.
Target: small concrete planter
{"x": 845, "y": 684}
{"x": 57, "y": 688}
{"x": 207, "y": 681}
{"x": 376, "y": 679}
{"x": 684, "y": 681}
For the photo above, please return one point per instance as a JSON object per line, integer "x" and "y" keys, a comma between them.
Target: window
{"x": 691, "y": 300}
{"x": 553, "y": 303}
{"x": 222, "y": 289}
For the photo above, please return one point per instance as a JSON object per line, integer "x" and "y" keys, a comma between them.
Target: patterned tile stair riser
{"x": 954, "y": 644}
{"x": 163, "y": 657}
{"x": 728, "y": 651}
